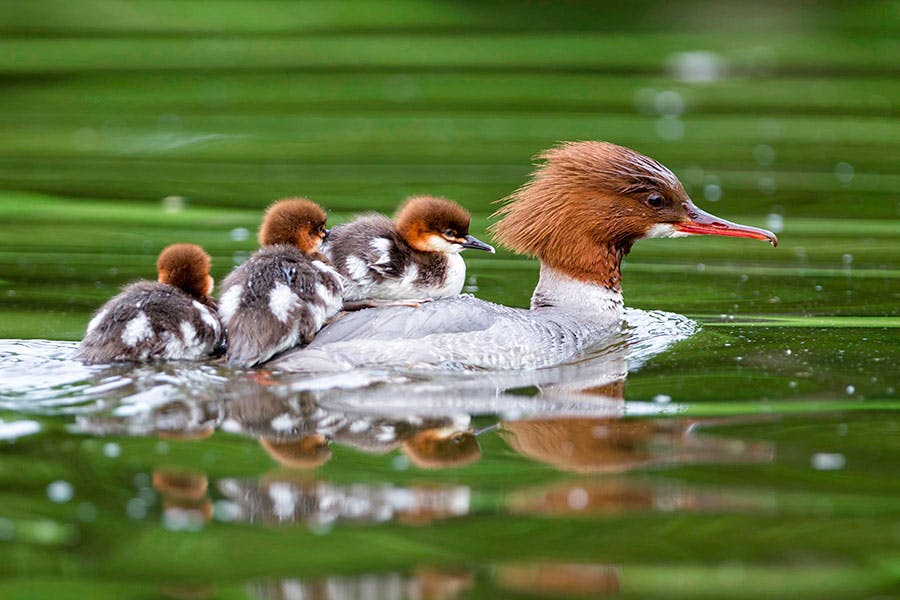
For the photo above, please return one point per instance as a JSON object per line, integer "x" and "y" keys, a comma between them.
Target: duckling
{"x": 173, "y": 318}
{"x": 414, "y": 258}
{"x": 283, "y": 294}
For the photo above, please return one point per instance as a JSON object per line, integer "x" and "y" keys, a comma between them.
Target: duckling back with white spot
{"x": 151, "y": 321}
{"x": 276, "y": 300}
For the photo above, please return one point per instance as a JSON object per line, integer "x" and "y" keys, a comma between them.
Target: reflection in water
{"x": 562, "y": 580}
{"x": 423, "y": 584}
{"x": 587, "y": 445}
{"x": 282, "y": 499}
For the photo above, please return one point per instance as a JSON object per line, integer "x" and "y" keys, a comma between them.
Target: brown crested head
{"x": 185, "y": 266}
{"x": 588, "y": 202}
{"x": 432, "y": 224}
{"x": 296, "y": 222}
{"x": 442, "y": 448}
{"x": 585, "y": 206}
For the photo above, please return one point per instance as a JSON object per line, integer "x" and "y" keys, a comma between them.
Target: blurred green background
{"x": 129, "y": 124}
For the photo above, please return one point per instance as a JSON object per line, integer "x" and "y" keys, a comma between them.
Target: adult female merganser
{"x": 414, "y": 257}
{"x": 170, "y": 319}
{"x": 584, "y": 207}
{"x": 283, "y": 294}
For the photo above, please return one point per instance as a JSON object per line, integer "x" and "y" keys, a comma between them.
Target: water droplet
{"x": 60, "y": 491}
{"x": 112, "y": 450}
{"x": 239, "y": 234}
{"x": 844, "y": 172}
{"x": 136, "y": 508}
{"x": 775, "y": 222}
{"x": 400, "y": 462}
{"x": 764, "y": 155}
{"x": 793, "y": 385}
{"x": 701, "y": 267}
{"x": 226, "y": 511}
{"x": 670, "y": 103}
{"x": 767, "y": 184}
{"x": 712, "y": 192}
{"x": 788, "y": 352}
{"x": 645, "y": 100}
{"x": 662, "y": 398}
{"x": 173, "y": 204}
{"x": 698, "y": 66}
{"x": 578, "y": 498}
{"x": 819, "y": 288}
{"x": 7, "y": 529}
{"x": 847, "y": 259}
{"x": 825, "y": 461}
{"x": 669, "y": 128}
{"x": 850, "y": 390}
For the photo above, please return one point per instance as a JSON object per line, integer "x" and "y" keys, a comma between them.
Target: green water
{"x": 755, "y": 458}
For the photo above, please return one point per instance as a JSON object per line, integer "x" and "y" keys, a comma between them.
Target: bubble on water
{"x": 239, "y": 234}
{"x": 17, "y": 429}
{"x": 578, "y": 498}
{"x": 847, "y": 259}
{"x": 701, "y": 267}
{"x": 744, "y": 278}
{"x": 226, "y": 511}
{"x": 775, "y": 222}
{"x": 738, "y": 358}
{"x": 669, "y": 128}
{"x": 793, "y": 385}
{"x": 136, "y": 508}
{"x": 645, "y": 100}
{"x": 173, "y": 204}
{"x": 828, "y": 461}
{"x": 86, "y": 512}
{"x": 712, "y": 192}
{"x": 239, "y": 257}
{"x": 112, "y": 450}
{"x": 767, "y": 184}
{"x": 662, "y": 398}
{"x": 696, "y": 66}
{"x": 844, "y": 172}
{"x": 60, "y": 491}
{"x": 670, "y": 103}
{"x": 400, "y": 462}
{"x": 788, "y": 352}
{"x": 180, "y": 519}
{"x": 850, "y": 390}
{"x": 818, "y": 288}
{"x": 764, "y": 155}
{"x": 7, "y": 529}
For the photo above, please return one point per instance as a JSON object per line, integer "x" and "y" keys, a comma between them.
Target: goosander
{"x": 580, "y": 213}
{"x": 283, "y": 294}
{"x": 414, "y": 257}
{"x": 173, "y": 318}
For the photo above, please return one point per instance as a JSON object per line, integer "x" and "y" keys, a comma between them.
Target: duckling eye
{"x": 655, "y": 201}
{"x": 449, "y": 233}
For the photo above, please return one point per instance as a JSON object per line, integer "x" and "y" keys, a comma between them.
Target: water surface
{"x": 742, "y": 443}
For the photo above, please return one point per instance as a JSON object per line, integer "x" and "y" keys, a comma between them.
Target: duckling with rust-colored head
{"x": 283, "y": 294}
{"x": 413, "y": 257}
{"x": 173, "y": 318}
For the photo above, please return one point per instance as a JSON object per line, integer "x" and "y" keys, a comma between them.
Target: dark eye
{"x": 450, "y": 233}
{"x": 655, "y": 201}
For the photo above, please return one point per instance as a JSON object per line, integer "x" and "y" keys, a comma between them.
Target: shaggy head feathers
{"x": 185, "y": 266}
{"x": 296, "y": 222}
{"x": 421, "y": 217}
{"x": 585, "y": 205}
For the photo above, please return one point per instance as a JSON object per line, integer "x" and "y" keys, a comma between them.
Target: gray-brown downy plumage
{"x": 172, "y": 319}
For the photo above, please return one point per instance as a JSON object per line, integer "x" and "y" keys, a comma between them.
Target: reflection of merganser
{"x": 172, "y": 319}
{"x": 285, "y": 292}
{"x": 414, "y": 257}
{"x": 579, "y": 215}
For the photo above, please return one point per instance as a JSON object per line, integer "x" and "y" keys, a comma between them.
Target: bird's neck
{"x": 584, "y": 297}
